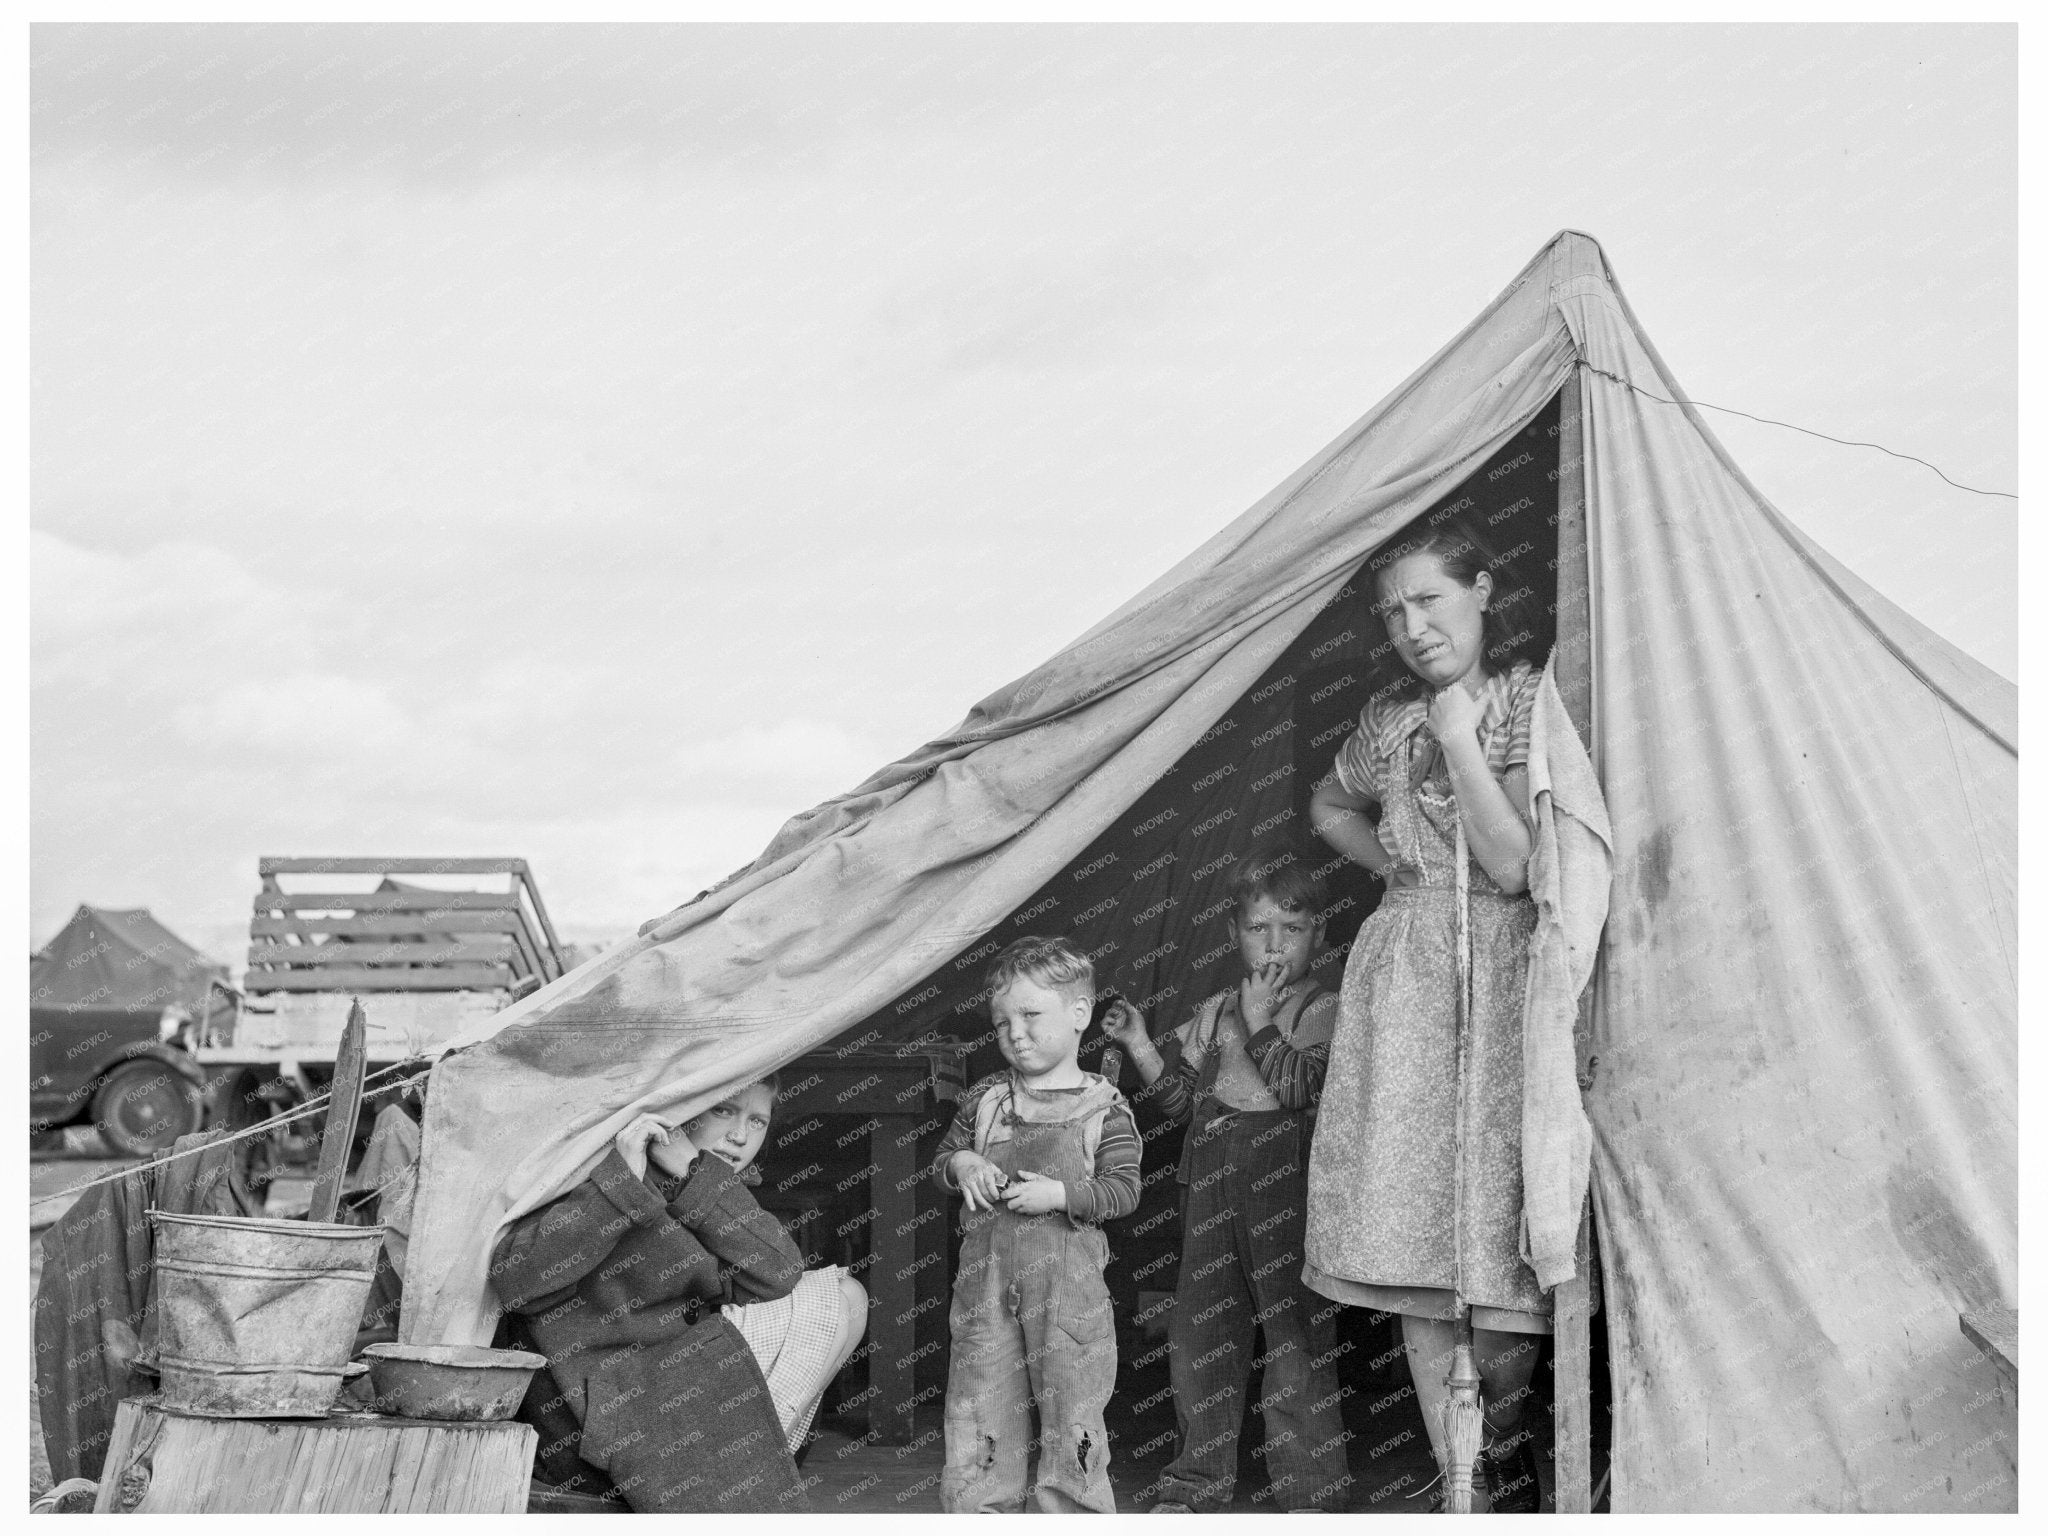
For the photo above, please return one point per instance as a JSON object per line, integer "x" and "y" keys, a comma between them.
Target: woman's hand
{"x": 1454, "y": 715}
{"x": 1400, "y": 876}
{"x": 1338, "y": 817}
{"x": 631, "y": 1143}
{"x": 1033, "y": 1194}
{"x": 1495, "y": 828}
{"x": 981, "y": 1181}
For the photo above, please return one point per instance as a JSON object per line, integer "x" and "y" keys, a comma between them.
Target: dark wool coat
{"x": 617, "y": 1283}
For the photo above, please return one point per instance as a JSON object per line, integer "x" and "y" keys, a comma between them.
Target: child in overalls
{"x": 1246, "y": 1071}
{"x": 1041, "y": 1155}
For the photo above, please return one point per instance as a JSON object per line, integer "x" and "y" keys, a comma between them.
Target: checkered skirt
{"x": 792, "y": 1338}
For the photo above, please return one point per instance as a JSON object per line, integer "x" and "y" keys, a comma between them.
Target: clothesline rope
{"x": 1771, "y": 421}
{"x": 311, "y": 1106}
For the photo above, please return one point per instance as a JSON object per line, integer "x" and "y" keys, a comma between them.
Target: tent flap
{"x": 1805, "y": 1107}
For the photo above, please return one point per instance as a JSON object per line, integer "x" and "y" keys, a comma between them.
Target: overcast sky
{"x": 597, "y": 445}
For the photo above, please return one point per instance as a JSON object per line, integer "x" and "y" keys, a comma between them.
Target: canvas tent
{"x": 1800, "y": 1054}
{"x": 106, "y": 958}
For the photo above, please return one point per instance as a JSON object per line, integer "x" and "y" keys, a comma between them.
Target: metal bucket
{"x": 256, "y": 1319}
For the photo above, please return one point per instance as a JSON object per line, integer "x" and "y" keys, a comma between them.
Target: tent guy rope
{"x": 310, "y": 1107}
{"x": 1771, "y": 421}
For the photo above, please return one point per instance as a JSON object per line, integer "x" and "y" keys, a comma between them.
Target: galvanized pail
{"x": 255, "y": 1318}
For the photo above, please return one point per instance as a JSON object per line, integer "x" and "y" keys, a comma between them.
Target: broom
{"x": 1463, "y": 1419}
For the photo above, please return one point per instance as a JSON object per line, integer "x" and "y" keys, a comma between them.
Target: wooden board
{"x": 490, "y": 947}
{"x": 342, "y": 978}
{"x": 435, "y": 942}
{"x": 360, "y": 865}
{"x": 343, "y": 1105}
{"x": 868, "y": 1083}
{"x": 163, "y": 1462}
{"x": 1996, "y": 1331}
{"x": 389, "y": 927}
{"x": 892, "y": 1181}
{"x": 385, "y": 901}
{"x": 306, "y": 1026}
{"x": 1571, "y": 1302}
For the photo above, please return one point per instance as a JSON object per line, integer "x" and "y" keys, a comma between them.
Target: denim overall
{"x": 1031, "y": 1321}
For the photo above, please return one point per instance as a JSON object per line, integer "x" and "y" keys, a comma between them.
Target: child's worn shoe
{"x": 1170, "y": 1507}
{"x": 1512, "y": 1471}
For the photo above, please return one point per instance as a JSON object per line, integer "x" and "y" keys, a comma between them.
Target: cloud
{"x": 448, "y": 106}
{"x": 604, "y": 870}
{"x": 808, "y": 752}
{"x": 301, "y": 712}
{"x": 1056, "y": 309}
{"x": 97, "y": 601}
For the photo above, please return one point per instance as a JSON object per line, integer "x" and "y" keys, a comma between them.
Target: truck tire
{"x": 143, "y": 1106}
{"x": 232, "y": 1098}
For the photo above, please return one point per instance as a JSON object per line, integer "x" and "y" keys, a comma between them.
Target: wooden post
{"x": 1572, "y": 1360}
{"x": 893, "y": 1333}
{"x": 1464, "y": 1420}
{"x": 1574, "y": 667}
{"x": 345, "y": 1100}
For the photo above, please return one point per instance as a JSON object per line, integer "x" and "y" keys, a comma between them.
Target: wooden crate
{"x": 160, "y": 1461}
{"x": 402, "y": 936}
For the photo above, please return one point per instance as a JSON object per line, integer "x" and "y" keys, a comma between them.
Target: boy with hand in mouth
{"x": 1041, "y": 1154}
{"x": 1244, "y": 1074}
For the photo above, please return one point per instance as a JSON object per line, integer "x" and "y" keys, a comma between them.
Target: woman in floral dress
{"x": 1408, "y": 1211}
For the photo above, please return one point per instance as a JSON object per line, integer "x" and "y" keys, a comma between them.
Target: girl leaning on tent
{"x": 687, "y": 1345}
{"x": 1414, "y": 1200}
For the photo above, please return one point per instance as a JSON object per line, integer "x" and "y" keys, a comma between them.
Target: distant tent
{"x": 105, "y": 958}
{"x": 1802, "y": 1055}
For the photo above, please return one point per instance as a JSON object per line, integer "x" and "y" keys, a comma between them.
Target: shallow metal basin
{"x": 461, "y": 1382}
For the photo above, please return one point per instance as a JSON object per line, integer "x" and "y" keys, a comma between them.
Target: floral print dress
{"x": 1404, "y": 1214}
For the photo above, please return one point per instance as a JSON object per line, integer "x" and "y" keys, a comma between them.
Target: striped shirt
{"x": 1291, "y": 1064}
{"x": 1387, "y": 727}
{"x": 1117, "y": 1183}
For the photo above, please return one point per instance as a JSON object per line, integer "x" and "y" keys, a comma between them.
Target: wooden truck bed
{"x": 426, "y": 961}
